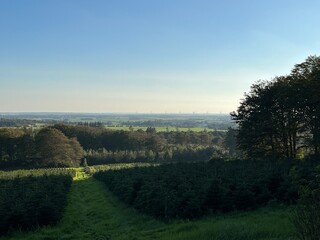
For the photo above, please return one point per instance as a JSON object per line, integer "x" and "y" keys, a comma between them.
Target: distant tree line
{"x": 66, "y": 145}
{"x": 110, "y": 146}
{"x": 21, "y": 122}
{"x": 216, "y": 124}
{"x": 4, "y": 122}
{"x": 114, "y": 140}
{"x": 281, "y": 118}
{"x": 91, "y": 124}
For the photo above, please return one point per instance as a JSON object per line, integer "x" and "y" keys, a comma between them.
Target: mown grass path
{"x": 94, "y": 213}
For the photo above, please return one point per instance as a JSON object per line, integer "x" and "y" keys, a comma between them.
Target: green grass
{"x": 94, "y": 213}
{"x": 260, "y": 224}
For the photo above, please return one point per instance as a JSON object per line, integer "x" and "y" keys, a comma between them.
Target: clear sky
{"x": 147, "y": 55}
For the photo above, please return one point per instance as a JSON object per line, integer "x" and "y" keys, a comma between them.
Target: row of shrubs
{"x": 191, "y": 190}
{"x": 32, "y": 198}
{"x": 37, "y": 172}
{"x": 170, "y": 154}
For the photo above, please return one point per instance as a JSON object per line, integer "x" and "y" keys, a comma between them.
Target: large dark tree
{"x": 56, "y": 150}
{"x": 257, "y": 135}
{"x": 281, "y": 118}
{"x": 306, "y": 77}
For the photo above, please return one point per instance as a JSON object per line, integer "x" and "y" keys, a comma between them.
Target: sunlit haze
{"x": 147, "y": 56}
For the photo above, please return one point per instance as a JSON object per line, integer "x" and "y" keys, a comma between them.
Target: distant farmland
{"x": 163, "y": 129}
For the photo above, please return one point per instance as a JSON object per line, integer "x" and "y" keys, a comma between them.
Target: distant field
{"x": 198, "y": 122}
{"x": 164, "y": 129}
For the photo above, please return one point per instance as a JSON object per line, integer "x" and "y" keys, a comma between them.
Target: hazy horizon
{"x": 116, "y": 113}
{"x": 147, "y": 56}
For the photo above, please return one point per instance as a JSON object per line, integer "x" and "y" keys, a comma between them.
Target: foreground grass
{"x": 94, "y": 213}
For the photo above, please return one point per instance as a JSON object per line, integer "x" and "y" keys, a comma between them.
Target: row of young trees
{"x": 169, "y": 154}
{"x": 281, "y": 118}
{"x": 190, "y": 190}
{"x": 29, "y": 199}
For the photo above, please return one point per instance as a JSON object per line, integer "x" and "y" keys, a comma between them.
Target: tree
{"x": 230, "y": 141}
{"x": 280, "y": 118}
{"x": 78, "y": 151}
{"x": 56, "y": 150}
{"x": 306, "y": 77}
{"x": 256, "y": 133}
{"x": 151, "y": 130}
{"x": 15, "y": 146}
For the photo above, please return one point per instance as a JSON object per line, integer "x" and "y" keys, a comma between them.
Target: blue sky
{"x": 147, "y": 55}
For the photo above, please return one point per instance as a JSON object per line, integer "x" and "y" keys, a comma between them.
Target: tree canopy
{"x": 281, "y": 118}
{"x": 57, "y": 150}
{"x": 49, "y": 147}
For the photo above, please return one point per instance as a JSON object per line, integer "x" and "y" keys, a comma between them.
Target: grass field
{"x": 94, "y": 213}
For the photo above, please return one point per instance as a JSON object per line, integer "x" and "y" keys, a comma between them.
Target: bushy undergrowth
{"x": 191, "y": 190}
{"x": 33, "y": 198}
{"x": 307, "y": 214}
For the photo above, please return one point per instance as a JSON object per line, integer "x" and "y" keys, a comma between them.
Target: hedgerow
{"x": 191, "y": 190}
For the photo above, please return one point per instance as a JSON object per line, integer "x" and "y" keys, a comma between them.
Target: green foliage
{"x": 230, "y": 142}
{"x": 62, "y": 146}
{"x": 16, "y": 147}
{"x": 307, "y": 214}
{"x": 32, "y": 198}
{"x": 56, "y": 150}
{"x": 172, "y": 154}
{"x": 95, "y": 213}
{"x": 191, "y": 190}
{"x": 109, "y": 146}
{"x": 37, "y": 172}
{"x": 92, "y": 138}
{"x": 119, "y": 166}
{"x": 25, "y": 148}
{"x": 281, "y": 118}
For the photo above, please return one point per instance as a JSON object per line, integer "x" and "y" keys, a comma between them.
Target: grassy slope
{"x": 94, "y": 213}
